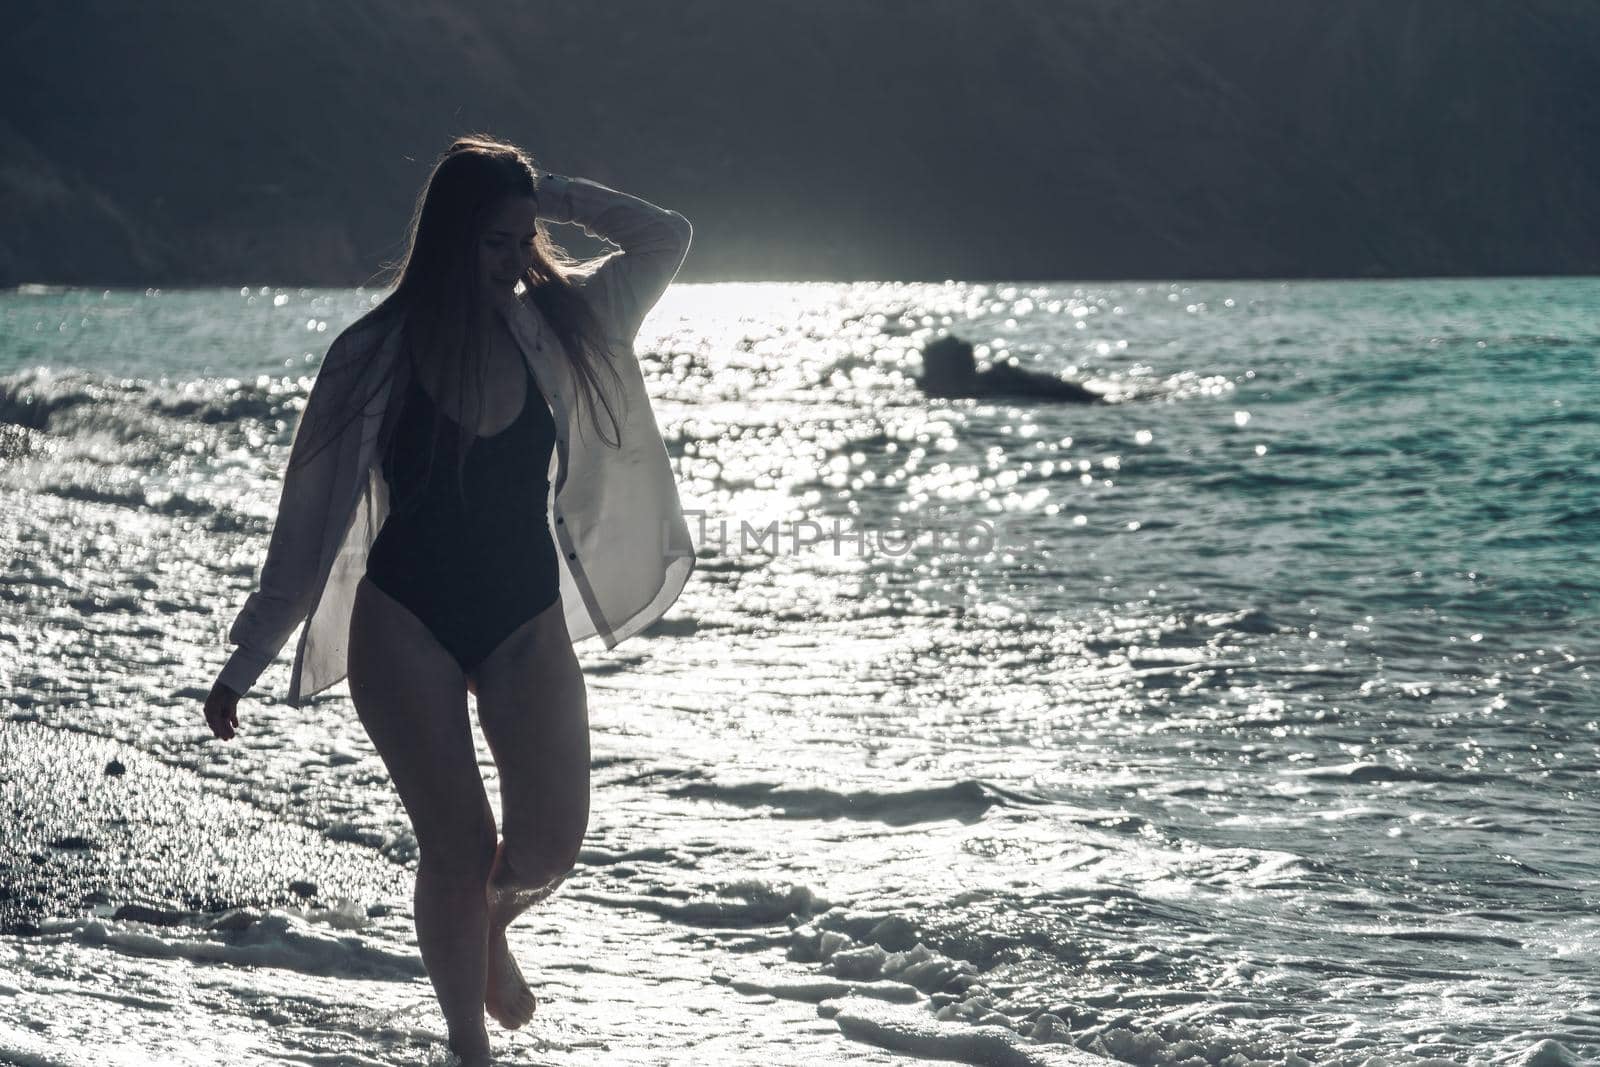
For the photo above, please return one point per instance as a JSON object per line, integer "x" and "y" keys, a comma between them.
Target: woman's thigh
{"x": 412, "y": 699}
{"x": 533, "y": 707}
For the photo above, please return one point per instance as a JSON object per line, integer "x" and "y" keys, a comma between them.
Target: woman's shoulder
{"x": 362, "y": 336}
{"x": 375, "y": 324}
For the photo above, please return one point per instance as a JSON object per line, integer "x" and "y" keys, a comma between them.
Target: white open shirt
{"x": 623, "y": 543}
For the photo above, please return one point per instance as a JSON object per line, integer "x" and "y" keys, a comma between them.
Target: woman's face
{"x": 505, "y": 248}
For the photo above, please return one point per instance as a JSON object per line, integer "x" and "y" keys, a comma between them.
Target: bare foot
{"x": 506, "y": 998}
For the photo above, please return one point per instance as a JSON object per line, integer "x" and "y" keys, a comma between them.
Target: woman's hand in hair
{"x": 222, "y": 711}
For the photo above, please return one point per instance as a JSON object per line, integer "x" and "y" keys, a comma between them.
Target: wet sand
{"x": 95, "y": 827}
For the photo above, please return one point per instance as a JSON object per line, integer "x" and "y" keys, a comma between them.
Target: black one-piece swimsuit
{"x": 472, "y": 574}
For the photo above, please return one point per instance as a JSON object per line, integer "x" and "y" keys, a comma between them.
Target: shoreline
{"x": 98, "y": 828}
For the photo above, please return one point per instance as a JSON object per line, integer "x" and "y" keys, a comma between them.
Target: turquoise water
{"x": 1273, "y": 730}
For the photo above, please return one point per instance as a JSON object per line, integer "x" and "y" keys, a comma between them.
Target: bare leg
{"x": 533, "y": 707}
{"x": 411, "y": 698}
{"x": 452, "y": 932}
{"x": 506, "y": 995}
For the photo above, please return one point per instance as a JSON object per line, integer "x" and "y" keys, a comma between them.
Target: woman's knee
{"x": 466, "y": 856}
{"x": 545, "y": 857}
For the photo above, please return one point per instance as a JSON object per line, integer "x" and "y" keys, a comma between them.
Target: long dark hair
{"x": 438, "y": 297}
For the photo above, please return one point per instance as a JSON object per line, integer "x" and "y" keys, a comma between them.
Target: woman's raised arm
{"x": 654, "y": 242}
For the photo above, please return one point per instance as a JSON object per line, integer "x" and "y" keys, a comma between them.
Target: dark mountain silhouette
{"x": 283, "y": 143}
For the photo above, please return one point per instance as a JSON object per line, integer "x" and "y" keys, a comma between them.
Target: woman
{"x": 414, "y": 539}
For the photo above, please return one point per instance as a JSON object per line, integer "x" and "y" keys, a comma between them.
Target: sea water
{"x": 1249, "y": 716}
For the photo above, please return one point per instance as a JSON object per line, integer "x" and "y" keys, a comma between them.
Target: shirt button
{"x": 559, "y": 520}
{"x": 572, "y": 555}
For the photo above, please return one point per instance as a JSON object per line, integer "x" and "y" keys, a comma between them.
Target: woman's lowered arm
{"x": 654, "y": 243}
{"x": 283, "y": 599}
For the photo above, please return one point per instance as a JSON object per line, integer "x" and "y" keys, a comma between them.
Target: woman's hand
{"x": 222, "y": 711}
